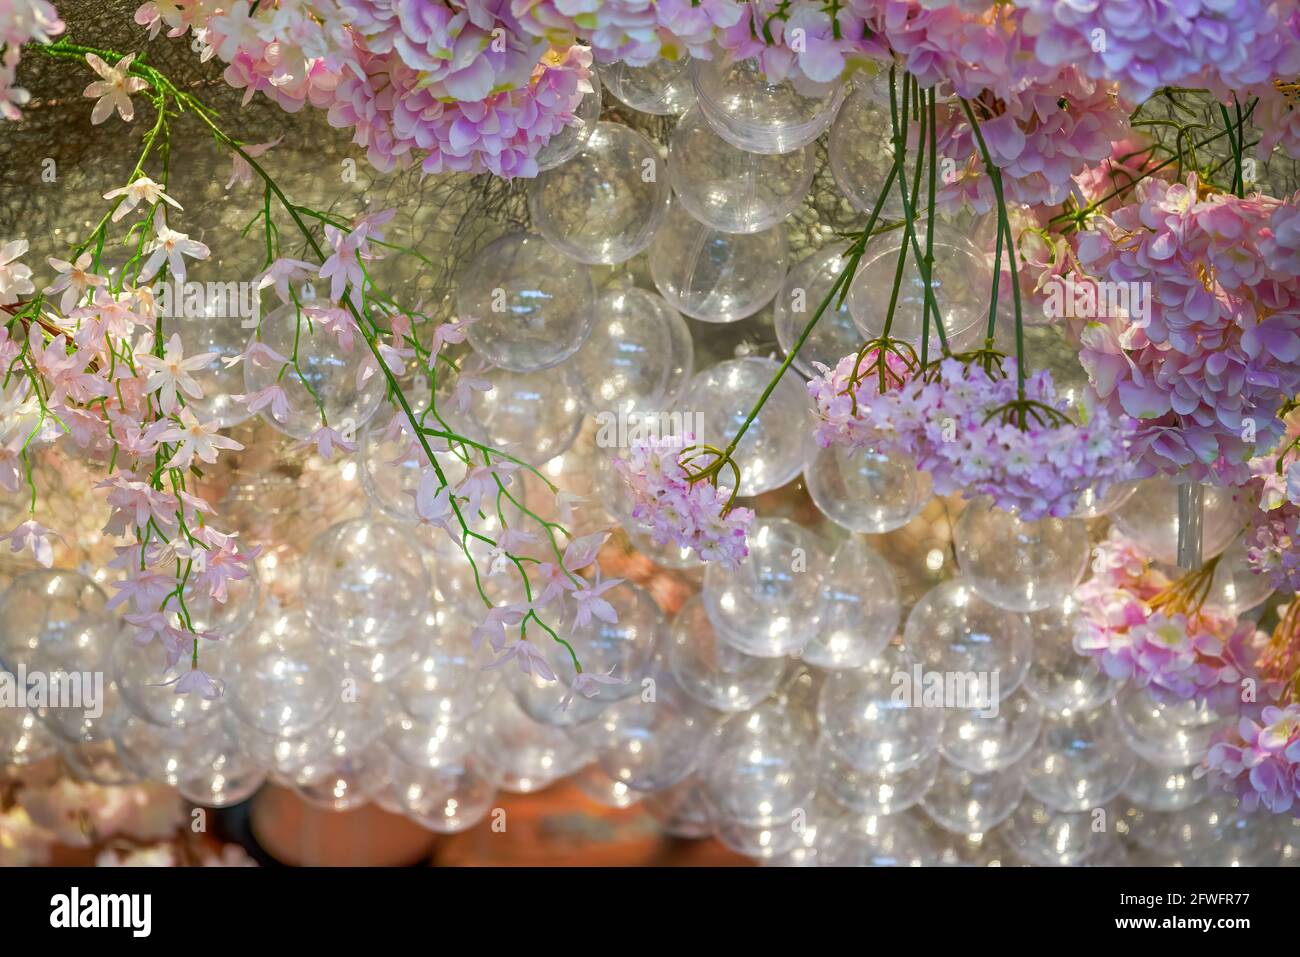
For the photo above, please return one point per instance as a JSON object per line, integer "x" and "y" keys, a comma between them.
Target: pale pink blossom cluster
{"x": 456, "y": 86}
{"x": 965, "y": 427}
{"x": 1176, "y": 652}
{"x": 21, "y": 21}
{"x": 676, "y": 510}
{"x": 1260, "y": 763}
{"x": 1147, "y": 44}
{"x": 1273, "y": 531}
{"x": 1207, "y": 362}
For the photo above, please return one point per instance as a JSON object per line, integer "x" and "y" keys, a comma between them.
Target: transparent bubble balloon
{"x": 805, "y": 853}
{"x": 861, "y": 154}
{"x": 875, "y": 792}
{"x": 391, "y": 466}
{"x": 1214, "y": 832}
{"x": 226, "y": 618}
{"x": 638, "y": 358}
{"x": 79, "y": 710}
{"x": 567, "y": 143}
{"x": 1092, "y": 505}
{"x": 960, "y": 283}
{"x": 1155, "y": 788}
{"x": 731, "y": 189}
{"x": 805, "y": 287}
{"x": 983, "y": 742}
{"x": 864, "y": 722}
{"x": 682, "y": 810}
{"x": 23, "y": 740}
{"x": 1235, "y": 588}
{"x": 324, "y": 379}
{"x": 1045, "y": 837}
{"x": 605, "y": 204}
{"x": 1060, "y": 679}
{"x": 876, "y": 840}
{"x": 1020, "y": 565}
{"x": 761, "y": 770}
{"x": 448, "y": 680}
{"x": 147, "y": 691}
{"x": 714, "y": 276}
{"x": 55, "y": 620}
{"x": 535, "y": 416}
{"x": 662, "y": 87}
{"x": 767, "y": 606}
{"x": 859, "y": 611}
{"x": 533, "y": 304}
{"x": 1080, "y": 762}
{"x": 226, "y": 337}
{"x": 713, "y": 672}
{"x": 774, "y": 447}
{"x": 595, "y": 784}
{"x": 1169, "y": 734}
{"x": 756, "y": 114}
{"x": 1150, "y": 519}
{"x": 964, "y": 802}
{"x": 365, "y": 583}
{"x": 169, "y": 755}
{"x": 651, "y": 745}
{"x": 284, "y": 679}
{"x": 232, "y": 776}
{"x": 529, "y": 755}
{"x": 349, "y": 783}
{"x": 952, "y": 630}
{"x": 865, "y": 490}
{"x": 444, "y": 800}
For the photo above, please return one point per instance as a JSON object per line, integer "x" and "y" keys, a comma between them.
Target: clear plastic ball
{"x": 230, "y": 778}
{"x": 169, "y": 755}
{"x": 874, "y": 792}
{"x": 284, "y": 679}
{"x": 391, "y": 467}
{"x": 225, "y": 618}
{"x": 1020, "y": 565}
{"x": 444, "y": 800}
{"x": 954, "y": 631}
{"x": 713, "y": 672}
{"x": 864, "y": 722}
{"x": 1079, "y": 763}
{"x": 756, "y": 114}
{"x": 1045, "y": 837}
{"x": 324, "y": 378}
{"x": 227, "y": 337}
{"x": 1090, "y": 505}
{"x": 964, "y": 802}
{"x": 1150, "y": 519}
{"x": 662, "y": 87}
{"x": 861, "y": 154}
{"x": 349, "y": 784}
{"x": 960, "y": 283}
{"x": 97, "y": 762}
{"x": 529, "y": 755}
{"x": 638, "y": 358}
{"x": 605, "y": 204}
{"x": 365, "y": 583}
{"x": 775, "y": 446}
{"x": 90, "y": 719}
{"x": 1235, "y": 588}
{"x": 714, "y": 276}
{"x": 650, "y": 745}
{"x": 864, "y": 490}
{"x": 448, "y": 680}
{"x": 760, "y": 771}
{"x": 534, "y": 416}
{"x": 567, "y": 143}
{"x": 805, "y": 287}
{"x": 55, "y": 620}
{"x": 859, "y": 611}
{"x": 533, "y": 304}
{"x": 876, "y": 840}
{"x": 767, "y": 606}
{"x": 443, "y": 741}
{"x": 138, "y": 672}
{"x": 23, "y": 740}
{"x": 1156, "y": 788}
{"x": 982, "y": 742}
{"x": 682, "y": 810}
{"x": 1168, "y": 734}
{"x": 1060, "y": 679}
{"x": 731, "y": 189}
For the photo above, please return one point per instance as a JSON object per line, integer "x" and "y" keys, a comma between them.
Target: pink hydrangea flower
{"x": 675, "y": 510}
{"x": 1261, "y": 762}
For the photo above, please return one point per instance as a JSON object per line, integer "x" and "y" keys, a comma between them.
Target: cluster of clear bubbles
{"x": 824, "y": 702}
